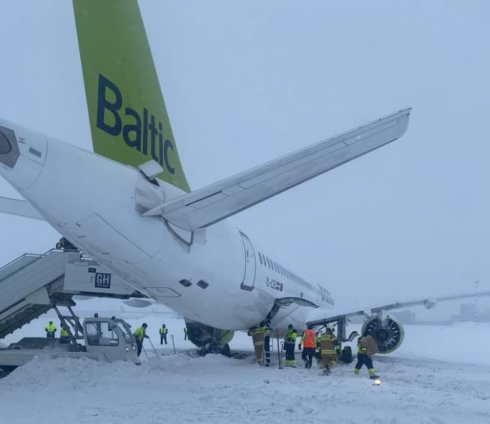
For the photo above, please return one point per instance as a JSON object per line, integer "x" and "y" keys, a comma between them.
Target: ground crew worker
{"x": 163, "y": 334}
{"x": 139, "y": 335}
{"x": 185, "y": 333}
{"x": 309, "y": 342}
{"x": 328, "y": 341}
{"x": 64, "y": 336}
{"x": 65, "y": 244}
{"x": 366, "y": 348}
{"x": 261, "y": 342}
{"x": 289, "y": 345}
{"x": 50, "y": 330}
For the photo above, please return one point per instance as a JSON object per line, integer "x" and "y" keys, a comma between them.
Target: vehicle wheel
{"x": 226, "y": 351}
{"x": 347, "y": 355}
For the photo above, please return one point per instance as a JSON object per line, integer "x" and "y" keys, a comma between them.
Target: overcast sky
{"x": 246, "y": 82}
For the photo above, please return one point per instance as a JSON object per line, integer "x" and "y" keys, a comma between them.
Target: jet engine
{"x": 387, "y": 333}
{"x": 209, "y": 339}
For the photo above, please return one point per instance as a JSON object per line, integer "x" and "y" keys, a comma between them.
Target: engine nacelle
{"x": 388, "y": 335}
{"x": 209, "y": 338}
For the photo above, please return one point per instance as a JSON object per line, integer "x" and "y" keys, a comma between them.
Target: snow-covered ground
{"x": 440, "y": 375}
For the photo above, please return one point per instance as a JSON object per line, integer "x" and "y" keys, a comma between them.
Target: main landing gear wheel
{"x": 226, "y": 351}
{"x": 346, "y": 356}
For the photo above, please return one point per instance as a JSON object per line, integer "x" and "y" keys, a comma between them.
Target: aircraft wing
{"x": 429, "y": 303}
{"x": 218, "y": 201}
{"x": 18, "y": 207}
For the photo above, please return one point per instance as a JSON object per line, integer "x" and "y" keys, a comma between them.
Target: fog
{"x": 246, "y": 82}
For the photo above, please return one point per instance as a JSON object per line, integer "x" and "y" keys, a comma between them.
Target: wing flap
{"x": 218, "y": 201}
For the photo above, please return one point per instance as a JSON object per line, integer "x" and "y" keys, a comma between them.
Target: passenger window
{"x": 260, "y": 258}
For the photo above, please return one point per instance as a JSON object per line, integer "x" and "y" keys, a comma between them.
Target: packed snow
{"x": 439, "y": 375}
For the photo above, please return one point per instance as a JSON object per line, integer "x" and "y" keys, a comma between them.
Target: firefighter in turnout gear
{"x": 366, "y": 348}
{"x": 163, "y": 334}
{"x": 139, "y": 335}
{"x": 50, "y": 330}
{"x": 289, "y": 345}
{"x": 309, "y": 343}
{"x": 261, "y": 340}
{"x": 328, "y": 343}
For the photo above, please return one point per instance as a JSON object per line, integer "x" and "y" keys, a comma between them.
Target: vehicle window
{"x": 125, "y": 331}
{"x": 101, "y": 333}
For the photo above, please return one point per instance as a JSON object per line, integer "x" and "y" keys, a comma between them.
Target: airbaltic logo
{"x": 135, "y": 133}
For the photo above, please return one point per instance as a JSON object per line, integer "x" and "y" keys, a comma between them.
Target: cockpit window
{"x": 5, "y": 146}
{"x": 9, "y": 150}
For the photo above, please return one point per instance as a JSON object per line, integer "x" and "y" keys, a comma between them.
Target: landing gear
{"x": 226, "y": 351}
{"x": 215, "y": 349}
{"x": 346, "y": 356}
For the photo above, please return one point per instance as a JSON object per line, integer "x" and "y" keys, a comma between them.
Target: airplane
{"x": 128, "y": 205}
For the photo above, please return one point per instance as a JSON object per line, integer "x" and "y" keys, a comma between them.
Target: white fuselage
{"x": 93, "y": 201}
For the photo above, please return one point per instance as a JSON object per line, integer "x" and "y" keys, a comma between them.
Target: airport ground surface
{"x": 440, "y": 375}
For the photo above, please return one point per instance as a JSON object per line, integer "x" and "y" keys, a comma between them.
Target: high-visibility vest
{"x": 290, "y": 337}
{"x": 140, "y": 333}
{"x": 64, "y": 333}
{"x": 163, "y": 330}
{"x": 51, "y": 328}
{"x": 309, "y": 339}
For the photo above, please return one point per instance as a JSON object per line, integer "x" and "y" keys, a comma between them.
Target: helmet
{"x": 145, "y": 325}
{"x": 290, "y": 326}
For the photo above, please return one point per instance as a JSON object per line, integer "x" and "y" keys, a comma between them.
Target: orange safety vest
{"x": 309, "y": 340}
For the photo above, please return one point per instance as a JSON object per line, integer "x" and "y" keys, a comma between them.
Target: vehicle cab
{"x": 110, "y": 337}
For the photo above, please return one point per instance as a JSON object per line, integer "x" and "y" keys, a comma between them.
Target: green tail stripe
{"x": 128, "y": 118}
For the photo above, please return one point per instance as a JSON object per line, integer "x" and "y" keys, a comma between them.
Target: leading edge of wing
{"x": 428, "y": 302}
{"x": 220, "y": 200}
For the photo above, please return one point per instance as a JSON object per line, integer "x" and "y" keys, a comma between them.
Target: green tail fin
{"x": 128, "y": 117}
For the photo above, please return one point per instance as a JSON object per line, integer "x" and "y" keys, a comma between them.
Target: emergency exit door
{"x": 250, "y": 264}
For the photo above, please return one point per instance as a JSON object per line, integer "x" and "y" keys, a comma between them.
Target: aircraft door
{"x": 250, "y": 264}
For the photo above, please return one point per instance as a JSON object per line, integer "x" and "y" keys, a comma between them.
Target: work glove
{"x": 299, "y": 347}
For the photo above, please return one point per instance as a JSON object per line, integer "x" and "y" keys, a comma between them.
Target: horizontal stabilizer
{"x": 218, "y": 201}
{"x": 18, "y": 207}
